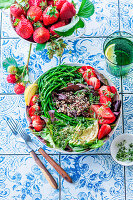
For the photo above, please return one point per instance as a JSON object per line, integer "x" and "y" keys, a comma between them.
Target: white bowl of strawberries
{"x": 36, "y": 21}
{"x": 74, "y": 108}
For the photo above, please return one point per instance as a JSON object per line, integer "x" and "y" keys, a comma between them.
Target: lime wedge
{"x": 29, "y": 92}
{"x": 110, "y": 53}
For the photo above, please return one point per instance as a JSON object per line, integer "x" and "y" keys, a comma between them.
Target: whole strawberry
{"x": 50, "y": 2}
{"x": 50, "y": 15}
{"x": 16, "y": 10}
{"x": 41, "y": 35}
{"x": 41, "y": 3}
{"x": 11, "y": 78}
{"x": 24, "y": 28}
{"x": 34, "y": 13}
{"x": 19, "y": 88}
{"x": 57, "y": 25}
{"x": 67, "y": 11}
{"x": 59, "y": 4}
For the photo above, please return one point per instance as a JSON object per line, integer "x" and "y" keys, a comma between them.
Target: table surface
{"x": 95, "y": 175}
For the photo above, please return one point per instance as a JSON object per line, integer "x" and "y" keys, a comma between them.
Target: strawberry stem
{"x": 28, "y": 57}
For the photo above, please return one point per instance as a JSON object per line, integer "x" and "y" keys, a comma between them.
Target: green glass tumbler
{"x": 118, "y": 51}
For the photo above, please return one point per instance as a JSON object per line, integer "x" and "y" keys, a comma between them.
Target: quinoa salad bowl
{"x": 72, "y": 108}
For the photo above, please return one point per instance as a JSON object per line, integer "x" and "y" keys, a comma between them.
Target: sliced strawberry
{"x": 113, "y": 89}
{"x": 104, "y": 131}
{"x": 105, "y": 95}
{"x": 104, "y": 100}
{"x": 37, "y": 123}
{"x": 102, "y": 112}
{"x": 34, "y": 100}
{"x": 107, "y": 121}
{"x": 34, "y": 110}
{"x": 94, "y": 82}
{"x": 81, "y": 70}
{"x": 87, "y": 67}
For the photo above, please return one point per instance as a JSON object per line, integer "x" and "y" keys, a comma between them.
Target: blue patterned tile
{"x": 21, "y": 179}
{"x": 39, "y": 62}
{"x": 14, "y": 105}
{"x": 128, "y": 113}
{"x": 94, "y": 178}
{"x": 129, "y": 182}
{"x": 105, "y": 20}
{"x": 7, "y": 30}
{"x": 127, "y": 82}
{"x": 88, "y": 51}
{"x": 126, "y": 15}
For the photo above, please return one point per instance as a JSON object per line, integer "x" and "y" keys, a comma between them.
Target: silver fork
{"x": 18, "y": 131}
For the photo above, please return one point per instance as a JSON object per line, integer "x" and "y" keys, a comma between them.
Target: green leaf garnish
{"x": 86, "y": 9}
{"x": 70, "y": 28}
{"x": 40, "y": 47}
{"x": 6, "y": 4}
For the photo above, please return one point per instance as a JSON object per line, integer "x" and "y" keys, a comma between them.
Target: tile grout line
{"x": 125, "y": 182}
{"x": 59, "y": 178}
{"x": 119, "y": 13}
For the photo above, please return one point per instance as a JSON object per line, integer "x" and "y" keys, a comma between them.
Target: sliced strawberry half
{"x": 104, "y": 131}
{"x": 105, "y": 95}
{"x": 113, "y": 89}
{"x": 95, "y": 82}
{"x": 107, "y": 121}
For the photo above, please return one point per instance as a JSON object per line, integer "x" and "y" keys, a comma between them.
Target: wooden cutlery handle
{"x": 46, "y": 173}
{"x": 55, "y": 165}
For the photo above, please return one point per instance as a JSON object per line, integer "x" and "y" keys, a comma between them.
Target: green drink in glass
{"x": 118, "y": 51}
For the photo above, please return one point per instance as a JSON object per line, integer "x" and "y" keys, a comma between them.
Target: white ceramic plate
{"x": 114, "y": 148}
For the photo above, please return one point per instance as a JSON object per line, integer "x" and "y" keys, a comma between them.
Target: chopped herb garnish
{"x": 124, "y": 154}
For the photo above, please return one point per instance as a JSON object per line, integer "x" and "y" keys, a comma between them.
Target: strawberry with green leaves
{"x": 50, "y": 15}
{"x": 24, "y": 28}
{"x": 67, "y": 11}
{"x": 16, "y": 10}
{"x": 34, "y": 13}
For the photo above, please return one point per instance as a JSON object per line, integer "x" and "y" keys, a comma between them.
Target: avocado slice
{"x": 84, "y": 136}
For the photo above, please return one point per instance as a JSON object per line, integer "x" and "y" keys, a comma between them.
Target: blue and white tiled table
{"x": 95, "y": 175}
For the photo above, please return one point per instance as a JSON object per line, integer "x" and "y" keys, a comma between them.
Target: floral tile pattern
{"x": 14, "y": 105}
{"x": 128, "y": 113}
{"x": 129, "y": 179}
{"x": 21, "y": 179}
{"x": 94, "y": 177}
{"x": 126, "y": 15}
{"x": 39, "y": 61}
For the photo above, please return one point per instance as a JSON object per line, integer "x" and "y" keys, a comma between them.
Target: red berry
{"x": 37, "y": 123}
{"x": 50, "y": 15}
{"x": 40, "y": 3}
{"x": 59, "y": 3}
{"x": 19, "y": 88}
{"x": 16, "y": 10}
{"x": 113, "y": 89}
{"x": 87, "y": 67}
{"x": 34, "y": 100}
{"x": 41, "y": 35}
{"x": 57, "y": 25}
{"x": 94, "y": 82}
{"x": 34, "y": 13}
{"x": 24, "y": 28}
{"x": 67, "y": 11}
{"x": 105, "y": 95}
{"x": 50, "y": 2}
{"x": 34, "y": 110}
{"x": 11, "y": 78}
{"x": 104, "y": 131}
